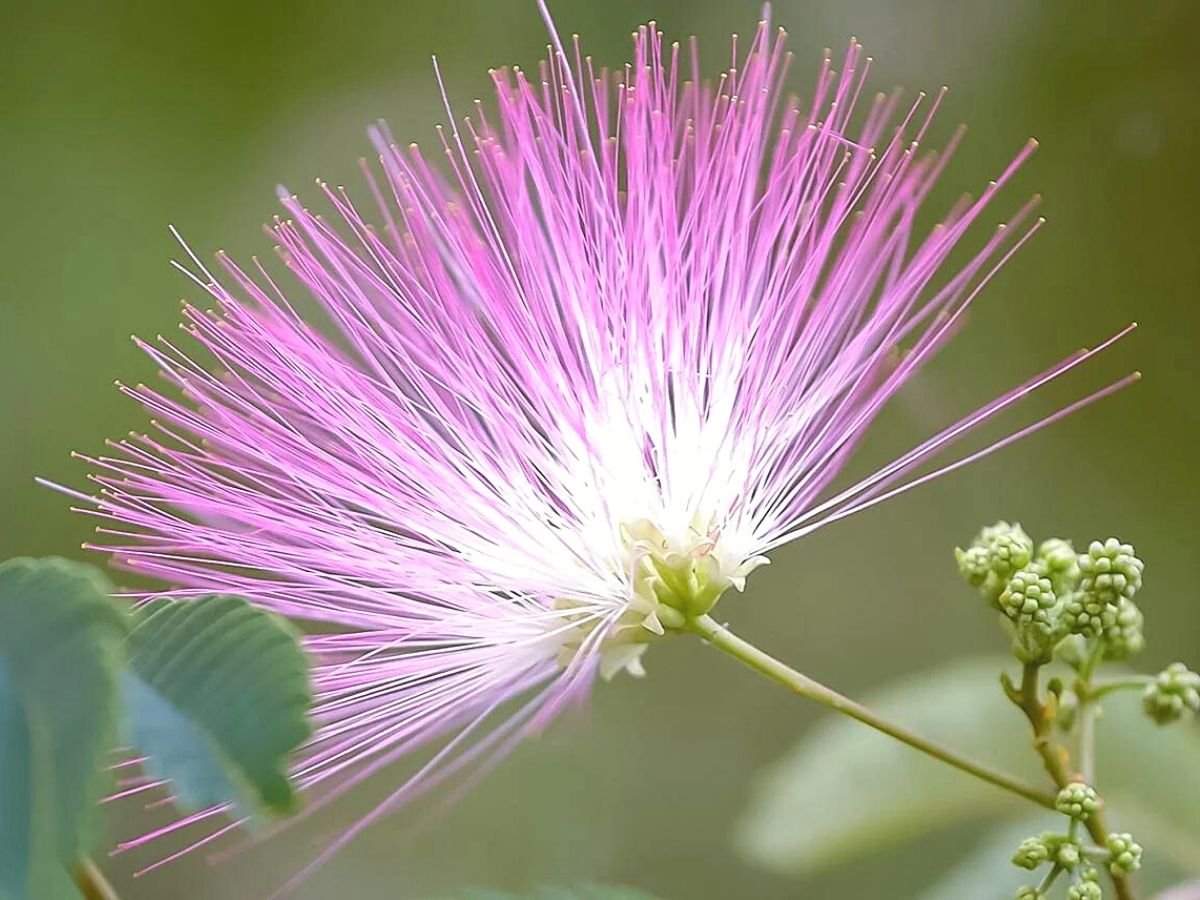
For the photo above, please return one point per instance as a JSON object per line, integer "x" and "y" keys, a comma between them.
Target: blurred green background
{"x": 119, "y": 118}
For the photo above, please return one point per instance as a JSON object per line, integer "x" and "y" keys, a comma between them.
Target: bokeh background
{"x": 121, "y": 117}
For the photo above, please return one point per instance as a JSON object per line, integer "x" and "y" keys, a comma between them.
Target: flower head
{"x": 554, "y": 398}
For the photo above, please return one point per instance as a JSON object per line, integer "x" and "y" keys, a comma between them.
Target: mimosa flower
{"x": 549, "y": 400}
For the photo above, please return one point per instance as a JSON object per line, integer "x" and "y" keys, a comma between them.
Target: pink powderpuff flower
{"x": 560, "y": 394}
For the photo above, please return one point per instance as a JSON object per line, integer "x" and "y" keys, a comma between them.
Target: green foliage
{"x": 215, "y": 692}
{"x": 60, "y": 651}
{"x": 868, "y": 791}
{"x": 218, "y": 696}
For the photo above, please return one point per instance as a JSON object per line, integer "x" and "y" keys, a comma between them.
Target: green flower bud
{"x": 1028, "y": 600}
{"x": 1077, "y": 800}
{"x": 1124, "y": 637}
{"x": 1068, "y": 856}
{"x": 1083, "y": 614}
{"x": 1086, "y": 889}
{"x": 996, "y": 553}
{"x": 975, "y": 564}
{"x": 1029, "y": 892}
{"x": 1064, "y": 851}
{"x": 1124, "y": 854}
{"x": 1031, "y": 853}
{"x": 1173, "y": 694}
{"x": 1060, "y": 563}
{"x": 1110, "y": 571}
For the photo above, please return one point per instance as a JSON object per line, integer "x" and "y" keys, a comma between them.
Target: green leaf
{"x": 217, "y": 697}
{"x": 60, "y": 652}
{"x": 845, "y": 790}
{"x": 575, "y": 892}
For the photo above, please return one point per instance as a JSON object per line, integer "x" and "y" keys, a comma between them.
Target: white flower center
{"x": 671, "y": 581}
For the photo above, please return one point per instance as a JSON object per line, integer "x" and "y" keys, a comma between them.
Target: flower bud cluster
{"x": 1061, "y": 565}
{"x": 1031, "y": 853}
{"x": 1077, "y": 801}
{"x": 1102, "y": 606}
{"x": 1077, "y": 608}
{"x": 1110, "y": 571}
{"x": 1087, "y": 887}
{"x": 1061, "y": 850}
{"x": 1066, "y": 853}
{"x": 997, "y": 552}
{"x": 1029, "y": 600}
{"x": 1056, "y": 592}
{"x": 1172, "y": 695}
{"x": 1124, "y": 854}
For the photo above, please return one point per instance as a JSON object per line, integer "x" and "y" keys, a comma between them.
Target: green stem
{"x": 1087, "y": 715}
{"x": 91, "y": 881}
{"x": 1102, "y": 689}
{"x": 1056, "y": 762}
{"x": 723, "y": 639}
{"x": 1049, "y": 879}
